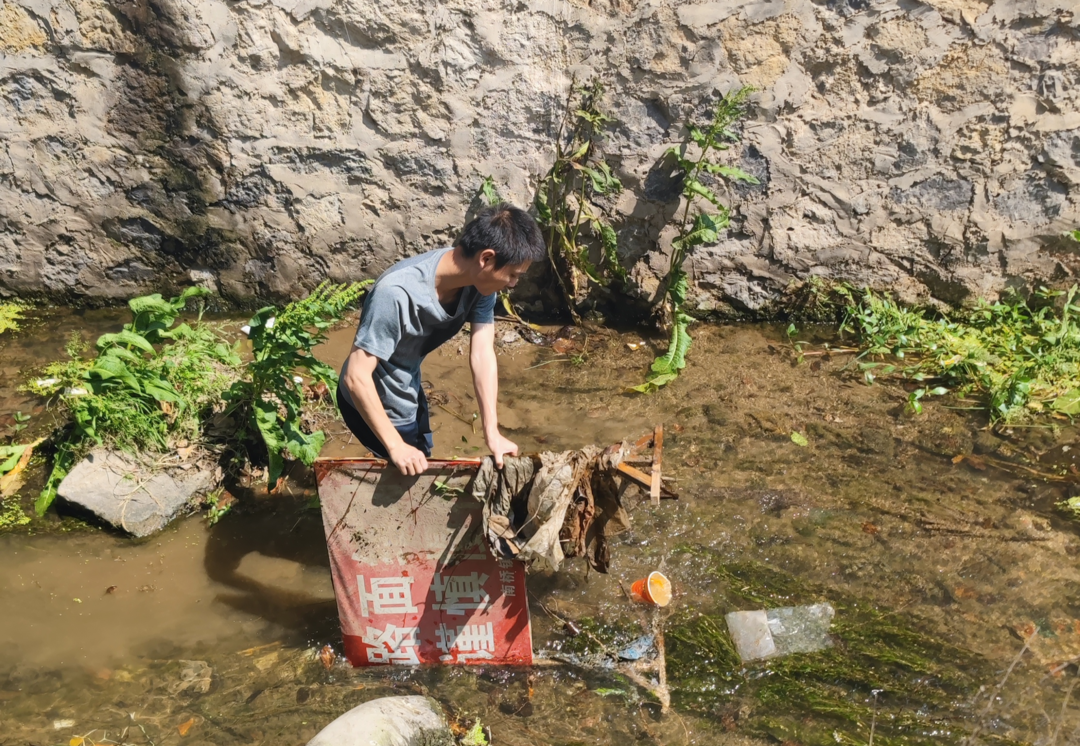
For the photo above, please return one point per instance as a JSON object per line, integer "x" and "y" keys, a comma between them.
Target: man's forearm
{"x": 366, "y": 398}
{"x": 485, "y": 370}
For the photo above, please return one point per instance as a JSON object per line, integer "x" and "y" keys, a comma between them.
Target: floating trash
{"x": 655, "y": 590}
{"x": 768, "y": 633}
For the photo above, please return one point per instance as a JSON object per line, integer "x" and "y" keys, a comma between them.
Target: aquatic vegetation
{"x": 565, "y": 201}
{"x": 268, "y": 401}
{"x": 1016, "y": 358}
{"x": 147, "y": 388}
{"x": 699, "y": 224}
{"x": 10, "y": 316}
{"x": 881, "y": 668}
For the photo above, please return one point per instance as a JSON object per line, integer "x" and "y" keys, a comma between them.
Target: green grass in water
{"x": 10, "y": 316}
{"x": 922, "y": 684}
{"x": 1017, "y": 358}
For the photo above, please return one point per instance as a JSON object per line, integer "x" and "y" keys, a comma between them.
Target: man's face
{"x": 491, "y": 280}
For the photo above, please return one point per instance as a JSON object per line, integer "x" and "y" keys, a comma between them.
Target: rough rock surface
{"x": 261, "y": 146}
{"x": 389, "y": 721}
{"x": 126, "y": 495}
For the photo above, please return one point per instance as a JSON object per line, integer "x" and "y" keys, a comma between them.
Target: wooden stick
{"x": 643, "y": 480}
{"x": 657, "y": 454}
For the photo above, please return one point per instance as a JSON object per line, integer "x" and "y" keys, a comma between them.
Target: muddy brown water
{"x": 210, "y": 634}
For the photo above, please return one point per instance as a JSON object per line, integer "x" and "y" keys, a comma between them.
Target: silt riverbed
{"x": 954, "y": 579}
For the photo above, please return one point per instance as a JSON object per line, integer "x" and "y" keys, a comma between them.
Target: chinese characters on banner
{"x": 414, "y": 580}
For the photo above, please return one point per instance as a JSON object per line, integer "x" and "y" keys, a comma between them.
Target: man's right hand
{"x": 409, "y": 461}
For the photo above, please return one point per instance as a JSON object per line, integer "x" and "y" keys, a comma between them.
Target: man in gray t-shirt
{"x": 414, "y": 307}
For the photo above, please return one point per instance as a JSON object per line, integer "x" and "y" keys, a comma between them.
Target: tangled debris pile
{"x": 542, "y": 509}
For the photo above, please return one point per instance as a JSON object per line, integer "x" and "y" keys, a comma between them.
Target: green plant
{"x": 20, "y": 422}
{"x": 475, "y": 736}
{"x": 565, "y": 199}
{"x": 147, "y": 387}
{"x": 10, "y": 456}
{"x": 1017, "y": 356}
{"x": 704, "y": 215}
{"x": 12, "y": 514}
{"x": 216, "y": 506}
{"x": 489, "y": 193}
{"x": 10, "y": 316}
{"x": 826, "y": 697}
{"x": 269, "y": 399}
{"x": 447, "y": 491}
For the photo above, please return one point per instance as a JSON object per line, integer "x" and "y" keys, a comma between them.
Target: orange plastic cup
{"x": 655, "y": 590}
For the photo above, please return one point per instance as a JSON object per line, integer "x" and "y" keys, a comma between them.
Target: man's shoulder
{"x": 412, "y": 266}
{"x": 406, "y": 276}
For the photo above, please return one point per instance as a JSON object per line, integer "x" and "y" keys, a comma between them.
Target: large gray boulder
{"x": 130, "y": 496}
{"x": 389, "y": 721}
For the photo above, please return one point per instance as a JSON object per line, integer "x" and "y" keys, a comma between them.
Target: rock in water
{"x": 122, "y": 492}
{"x": 389, "y": 721}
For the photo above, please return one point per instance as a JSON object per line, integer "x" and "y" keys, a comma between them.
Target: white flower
{"x": 297, "y": 379}
{"x": 270, "y": 323}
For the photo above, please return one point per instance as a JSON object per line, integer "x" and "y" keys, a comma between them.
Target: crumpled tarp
{"x": 542, "y": 509}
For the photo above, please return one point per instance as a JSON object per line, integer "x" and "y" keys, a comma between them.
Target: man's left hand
{"x": 501, "y": 446}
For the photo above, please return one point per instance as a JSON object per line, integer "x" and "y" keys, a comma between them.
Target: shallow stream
{"x": 949, "y": 575}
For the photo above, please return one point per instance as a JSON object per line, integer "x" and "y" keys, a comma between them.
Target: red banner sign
{"x": 414, "y": 580}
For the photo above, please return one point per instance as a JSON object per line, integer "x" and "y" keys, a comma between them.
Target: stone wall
{"x": 260, "y": 146}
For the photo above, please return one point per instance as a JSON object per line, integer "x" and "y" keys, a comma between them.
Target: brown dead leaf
{"x": 12, "y": 481}
{"x": 870, "y": 528}
{"x": 677, "y": 428}
{"x": 976, "y": 463}
{"x": 563, "y": 346}
{"x": 185, "y": 452}
{"x": 963, "y": 591}
{"x": 110, "y": 590}
{"x": 168, "y": 408}
{"x": 185, "y": 727}
{"x": 958, "y": 458}
{"x": 327, "y": 656}
{"x": 1024, "y": 630}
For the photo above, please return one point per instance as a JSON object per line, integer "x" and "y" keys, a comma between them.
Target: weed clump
{"x": 157, "y": 386}
{"x": 143, "y": 390}
{"x": 10, "y": 316}
{"x": 1017, "y": 357}
{"x": 268, "y": 400}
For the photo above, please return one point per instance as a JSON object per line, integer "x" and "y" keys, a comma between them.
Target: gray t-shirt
{"x": 402, "y": 321}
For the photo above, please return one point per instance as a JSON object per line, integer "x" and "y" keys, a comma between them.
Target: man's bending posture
{"x": 414, "y": 307}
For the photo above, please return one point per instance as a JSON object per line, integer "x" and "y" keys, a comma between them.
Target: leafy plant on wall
{"x": 565, "y": 202}
{"x": 704, "y": 216}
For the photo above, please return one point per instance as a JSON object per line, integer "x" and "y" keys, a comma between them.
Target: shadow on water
{"x": 295, "y": 537}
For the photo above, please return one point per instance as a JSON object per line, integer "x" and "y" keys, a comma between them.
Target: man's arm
{"x": 485, "y": 372}
{"x": 361, "y": 386}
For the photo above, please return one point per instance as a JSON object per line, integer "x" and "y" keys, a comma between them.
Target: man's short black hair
{"x": 508, "y": 231}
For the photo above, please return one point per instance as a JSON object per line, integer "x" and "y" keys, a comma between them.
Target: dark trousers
{"x": 418, "y": 434}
